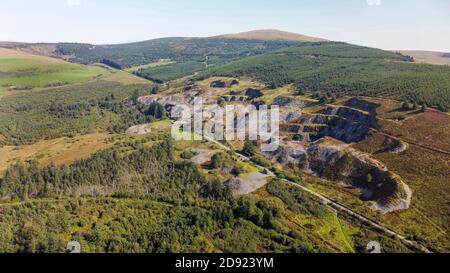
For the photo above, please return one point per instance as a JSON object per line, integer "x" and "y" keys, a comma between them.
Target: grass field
{"x": 57, "y": 151}
{"x": 150, "y": 65}
{"x": 20, "y": 70}
{"x": 120, "y": 76}
{"x": 170, "y": 72}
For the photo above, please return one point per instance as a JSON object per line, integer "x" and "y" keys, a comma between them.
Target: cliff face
{"x": 290, "y": 102}
{"x": 337, "y": 161}
{"x": 324, "y": 151}
{"x": 349, "y": 123}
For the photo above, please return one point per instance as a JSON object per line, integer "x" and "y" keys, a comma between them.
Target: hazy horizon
{"x": 385, "y": 24}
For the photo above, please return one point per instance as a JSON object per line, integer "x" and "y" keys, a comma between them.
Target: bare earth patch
{"x": 139, "y": 130}
{"x": 246, "y": 184}
{"x": 203, "y": 156}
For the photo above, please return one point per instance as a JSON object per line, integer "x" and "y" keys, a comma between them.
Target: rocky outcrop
{"x": 56, "y": 84}
{"x": 362, "y": 105}
{"x": 290, "y": 102}
{"x": 218, "y": 84}
{"x": 395, "y": 146}
{"x": 251, "y": 93}
{"x": 347, "y": 124}
{"x": 233, "y": 98}
{"x": 168, "y": 101}
{"x": 287, "y": 116}
{"x": 139, "y": 130}
{"x": 234, "y": 82}
{"x": 337, "y": 161}
{"x": 20, "y": 88}
{"x": 224, "y": 84}
{"x": 343, "y": 123}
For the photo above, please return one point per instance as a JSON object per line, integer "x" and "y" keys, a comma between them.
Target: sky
{"x": 386, "y": 24}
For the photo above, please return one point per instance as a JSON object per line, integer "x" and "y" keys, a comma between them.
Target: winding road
{"x": 327, "y": 201}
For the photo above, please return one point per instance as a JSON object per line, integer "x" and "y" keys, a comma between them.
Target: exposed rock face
{"x": 56, "y": 84}
{"x": 168, "y": 101}
{"x": 253, "y": 93}
{"x": 345, "y": 123}
{"x": 234, "y": 82}
{"x": 219, "y": 84}
{"x": 20, "y": 88}
{"x": 348, "y": 125}
{"x": 337, "y": 161}
{"x": 289, "y": 153}
{"x": 224, "y": 84}
{"x": 289, "y": 116}
{"x": 290, "y": 102}
{"x": 139, "y": 130}
{"x": 362, "y": 105}
{"x": 233, "y": 98}
{"x": 250, "y": 94}
{"x": 395, "y": 146}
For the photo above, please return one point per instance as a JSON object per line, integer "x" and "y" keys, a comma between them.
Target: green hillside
{"x": 21, "y": 71}
{"x": 91, "y": 107}
{"x": 137, "y": 198}
{"x": 161, "y": 74}
{"x": 344, "y": 69}
{"x": 187, "y": 54}
{"x": 176, "y": 49}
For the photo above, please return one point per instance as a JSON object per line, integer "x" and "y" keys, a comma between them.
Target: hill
{"x": 47, "y": 98}
{"x": 270, "y": 35}
{"x": 183, "y": 56}
{"x": 20, "y": 70}
{"x": 42, "y": 49}
{"x": 344, "y": 69}
{"x": 176, "y": 49}
{"x": 429, "y": 57}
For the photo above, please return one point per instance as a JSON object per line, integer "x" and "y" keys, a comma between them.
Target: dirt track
{"x": 331, "y": 203}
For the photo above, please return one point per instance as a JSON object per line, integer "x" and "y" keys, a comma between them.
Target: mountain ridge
{"x": 428, "y": 57}
{"x": 270, "y": 35}
{"x": 260, "y": 34}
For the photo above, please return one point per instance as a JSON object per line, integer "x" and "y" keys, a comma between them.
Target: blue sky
{"x": 387, "y": 24}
